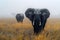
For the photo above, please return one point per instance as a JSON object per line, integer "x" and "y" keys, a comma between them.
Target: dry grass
{"x": 11, "y": 30}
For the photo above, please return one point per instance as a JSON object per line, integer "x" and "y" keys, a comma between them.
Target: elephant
{"x": 38, "y": 18}
{"x": 19, "y": 17}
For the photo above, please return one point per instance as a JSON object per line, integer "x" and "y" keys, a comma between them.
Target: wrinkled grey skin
{"x": 19, "y": 17}
{"x": 38, "y": 17}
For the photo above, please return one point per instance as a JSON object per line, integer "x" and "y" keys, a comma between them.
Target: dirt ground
{"x": 10, "y": 29}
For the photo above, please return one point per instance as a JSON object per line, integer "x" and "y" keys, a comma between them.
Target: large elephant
{"x": 38, "y": 17}
{"x": 19, "y": 17}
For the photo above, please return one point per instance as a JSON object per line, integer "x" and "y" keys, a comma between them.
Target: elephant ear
{"x": 45, "y": 13}
{"x": 29, "y": 13}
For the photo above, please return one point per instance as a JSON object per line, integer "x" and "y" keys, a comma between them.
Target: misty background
{"x": 9, "y": 8}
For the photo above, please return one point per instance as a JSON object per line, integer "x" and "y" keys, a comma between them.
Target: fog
{"x": 9, "y": 8}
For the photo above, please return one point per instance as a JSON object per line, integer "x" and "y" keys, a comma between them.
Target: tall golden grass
{"x": 10, "y": 29}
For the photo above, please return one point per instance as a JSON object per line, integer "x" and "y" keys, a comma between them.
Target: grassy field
{"x": 10, "y": 29}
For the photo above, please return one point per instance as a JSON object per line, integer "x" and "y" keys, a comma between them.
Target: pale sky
{"x": 7, "y": 7}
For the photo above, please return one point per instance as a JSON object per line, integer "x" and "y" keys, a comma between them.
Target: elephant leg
{"x": 43, "y": 22}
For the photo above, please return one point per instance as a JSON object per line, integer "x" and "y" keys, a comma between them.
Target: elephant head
{"x": 38, "y": 18}
{"x": 32, "y": 15}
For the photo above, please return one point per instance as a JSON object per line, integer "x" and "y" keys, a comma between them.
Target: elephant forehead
{"x": 37, "y": 11}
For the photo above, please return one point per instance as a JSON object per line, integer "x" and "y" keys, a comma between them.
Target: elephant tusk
{"x": 33, "y": 22}
{"x": 39, "y": 23}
